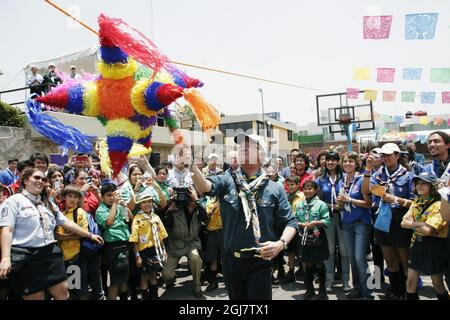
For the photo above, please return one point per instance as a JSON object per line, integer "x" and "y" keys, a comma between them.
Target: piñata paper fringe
{"x": 63, "y": 135}
{"x": 132, "y": 41}
{"x": 207, "y": 116}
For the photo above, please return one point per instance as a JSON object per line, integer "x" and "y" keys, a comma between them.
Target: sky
{"x": 313, "y": 44}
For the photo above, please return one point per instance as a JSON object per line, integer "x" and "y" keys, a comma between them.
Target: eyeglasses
{"x": 39, "y": 178}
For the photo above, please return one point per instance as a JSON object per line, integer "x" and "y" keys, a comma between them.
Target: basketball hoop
{"x": 344, "y": 121}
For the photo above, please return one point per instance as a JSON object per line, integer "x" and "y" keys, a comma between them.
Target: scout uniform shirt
{"x": 212, "y": 207}
{"x": 141, "y": 230}
{"x": 295, "y": 199}
{"x": 21, "y": 214}
{"x": 70, "y": 248}
{"x": 272, "y": 206}
{"x": 119, "y": 230}
{"x": 431, "y": 216}
{"x": 318, "y": 211}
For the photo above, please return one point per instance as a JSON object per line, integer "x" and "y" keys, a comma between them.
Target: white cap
{"x": 51, "y": 64}
{"x": 73, "y": 67}
{"x": 212, "y": 155}
{"x": 240, "y": 137}
{"x": 389, "y": 148}
{"x": 376, "y": 150}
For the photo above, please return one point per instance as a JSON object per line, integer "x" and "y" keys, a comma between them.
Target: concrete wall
{"x": 18, "y": 143}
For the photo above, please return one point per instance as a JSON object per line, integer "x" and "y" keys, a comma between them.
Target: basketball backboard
{"x": 335, "y": 109}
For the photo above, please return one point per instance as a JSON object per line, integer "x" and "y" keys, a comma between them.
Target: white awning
{"x": 84, "y": 60}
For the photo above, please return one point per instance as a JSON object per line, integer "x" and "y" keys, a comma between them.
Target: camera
{"x": 181, "y": 195}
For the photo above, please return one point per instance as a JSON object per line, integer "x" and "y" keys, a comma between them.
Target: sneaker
{"x": 346, "y": 287}
{"x": 309, "y": 295}
{"x": 420, "y": 283}
{"x": 212, "y": 286}
{"x": 275, "y": 281}
{"x": 290, "y": 277}
{"x": 354, "y": 295}
{"x": 329, "y": 287}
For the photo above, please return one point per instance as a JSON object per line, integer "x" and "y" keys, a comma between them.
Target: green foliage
{"x": 10, "y": 117}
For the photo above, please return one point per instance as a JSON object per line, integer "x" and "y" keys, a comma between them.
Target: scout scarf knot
{"x": 391, "y": 178}
{"x": 247, "y": 194}
{"x": 422, "y": 204}
{"x": 43, "y": 217}
{"x": 159, "y": 244}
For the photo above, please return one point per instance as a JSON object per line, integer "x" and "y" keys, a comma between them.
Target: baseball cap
{"x": 51, "y": 64}
{"x": 73, "y": 67}
{"x": 426, "y": 177}
{"x": 389, "y": 148}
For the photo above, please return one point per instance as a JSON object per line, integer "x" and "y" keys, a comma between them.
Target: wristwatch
{"x": 284, "y": 243}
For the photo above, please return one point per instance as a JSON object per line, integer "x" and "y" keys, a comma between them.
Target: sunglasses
{"x": 39, "y": 178}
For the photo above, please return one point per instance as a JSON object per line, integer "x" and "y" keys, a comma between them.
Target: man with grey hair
{"x": 251, "y": 204}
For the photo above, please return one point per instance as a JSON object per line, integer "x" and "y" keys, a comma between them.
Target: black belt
{"x": 246, "y": 254}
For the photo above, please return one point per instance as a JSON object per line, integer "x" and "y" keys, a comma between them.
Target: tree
{"x": 10, "y": 117}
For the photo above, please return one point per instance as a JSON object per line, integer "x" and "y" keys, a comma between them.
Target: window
{"x": 289, "y": 135}
{"x": 233, "y": 128}
{"x": 260, "y": 129}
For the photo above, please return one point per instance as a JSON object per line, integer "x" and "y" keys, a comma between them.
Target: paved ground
{"x": 183, "y": 289}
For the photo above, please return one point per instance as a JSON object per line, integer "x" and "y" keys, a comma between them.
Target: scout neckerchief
{"x": 43, "y": 217}
{"x": 333, "y": 190}
{"x": 159, "y": 244}
{"x": 391, "y": 178}
{"x": 422, "y": 206}
{"x": 247, "y": 193}
{"x": 348, "y": 187}
{"x": 309, "y": 203}
{"x": 440, "y": 169}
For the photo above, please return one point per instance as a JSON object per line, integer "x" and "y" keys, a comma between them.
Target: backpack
{"x": 87, "y": 246}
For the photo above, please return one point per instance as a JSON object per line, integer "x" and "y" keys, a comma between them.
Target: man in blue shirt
{"x": 10, "y": 175}
{"x": 418, "y": 157}
{"x": 251, "y": 205}
{"x": 439, "y": 146}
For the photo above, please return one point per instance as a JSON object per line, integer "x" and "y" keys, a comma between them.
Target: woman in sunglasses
{"x": 27, "y": 222}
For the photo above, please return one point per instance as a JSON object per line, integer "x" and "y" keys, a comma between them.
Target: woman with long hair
{"x": 329, "y": 185}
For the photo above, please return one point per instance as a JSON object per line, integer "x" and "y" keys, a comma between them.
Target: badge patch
{"x": 143, "y": 239}
{"x": 4, "y": 212}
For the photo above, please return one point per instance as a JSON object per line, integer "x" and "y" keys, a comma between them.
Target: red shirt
{"x": 91, "y": 203}
{"x": 303, "y": 178}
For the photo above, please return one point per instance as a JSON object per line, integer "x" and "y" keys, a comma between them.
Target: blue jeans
{"x": 356, "y": 237}
{"x": 332, "y": 231}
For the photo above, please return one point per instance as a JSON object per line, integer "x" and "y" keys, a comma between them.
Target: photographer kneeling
{"x": 183, "y": 225}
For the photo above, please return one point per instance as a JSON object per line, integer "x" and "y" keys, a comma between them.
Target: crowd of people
{"x": 72, "y": 232}
{"x": 42, "y": 84}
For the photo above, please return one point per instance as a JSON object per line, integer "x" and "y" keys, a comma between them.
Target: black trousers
{"x": 247, "y": 278}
